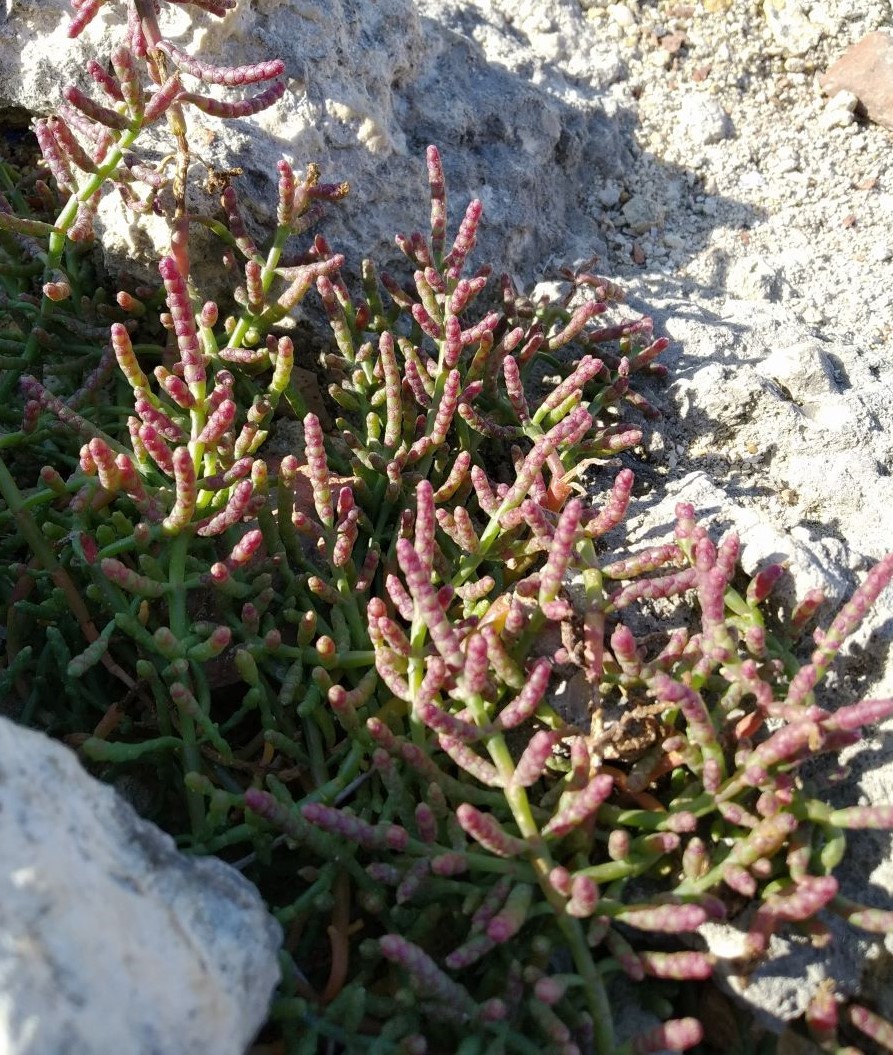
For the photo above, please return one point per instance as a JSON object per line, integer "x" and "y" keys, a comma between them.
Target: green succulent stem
{"x": 56, "y": 248}
{"x": 542, "y": 863}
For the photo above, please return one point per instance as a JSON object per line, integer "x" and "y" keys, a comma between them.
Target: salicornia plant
{"x": 391, "y": 670}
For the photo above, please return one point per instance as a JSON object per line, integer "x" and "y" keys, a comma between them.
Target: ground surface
{"x": 760, "y": 233}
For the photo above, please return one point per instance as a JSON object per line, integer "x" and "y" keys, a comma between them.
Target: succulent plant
{"x": 343, "y": 661}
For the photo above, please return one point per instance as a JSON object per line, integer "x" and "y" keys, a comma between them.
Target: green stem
{"x": 245, "y": 323}
{"x": 179, "y": 549}
{"x": 542, "y": 863}
{"x": 57, "y": 243}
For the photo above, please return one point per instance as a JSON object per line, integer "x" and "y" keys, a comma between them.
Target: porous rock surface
{"x": 110, "y": 940}
{"x": 369, "y": 86}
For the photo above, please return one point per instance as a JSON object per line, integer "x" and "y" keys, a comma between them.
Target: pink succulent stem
{"x": 485, "y": 829}
{"x": 678, "y": 1034}
{"x": 581, "y": 806}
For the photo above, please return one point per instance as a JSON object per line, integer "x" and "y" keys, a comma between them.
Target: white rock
{"x": 787, "y": 160}
{"x": 622, "y": 15}
{"x": 111, "y": 941}
{"x": 843, "y": 100}
{"x": 752, "y": 180}
{"x": 751, "y": 278}
{"x": 803, "y": 368}
{"x": 609, "y": 195}
{"x": 839, "y": 111}
{"x": 703, "y": 121}
{"x": 791, "y": 27}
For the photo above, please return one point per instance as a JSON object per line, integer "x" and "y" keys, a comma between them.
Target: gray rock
{"x": 803, "y": 368}
{"x": 110, "y": 940}
{"x": 751, "y": 278}
{"x": 430, "y": 73}
{"x": 609, "y": 195}
{"x": 640, "y": 214}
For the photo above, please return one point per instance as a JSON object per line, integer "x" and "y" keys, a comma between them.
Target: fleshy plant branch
{"x": 397, "y": 663}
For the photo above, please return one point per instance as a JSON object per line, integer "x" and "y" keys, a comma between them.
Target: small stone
{"x": 641, "y": 214}
{"x": 672, "y": 42}
{"x": 839, "y": 111}
{"x": 790, "y": 27}
{"x": 703, "y": 120}
{"x": 638, "y": 254}
{"x": 673, "y": 241}
{"x": 622, "y": 15}
{"x": 753, "y": 279}
{"x": 844, "y": 100}
{"x": 701, "y": 73}
{"x": 787, "y": 160}
{"x": 866, "y": 70}
{"x": 752, "y": 180}
{"x": 660, "y": 58}
{"x": 609, "y": 195}
{"x": 803, "y": 368}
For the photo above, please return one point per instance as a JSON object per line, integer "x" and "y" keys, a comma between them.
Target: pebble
{"x": 839, "y": 111}
{"x": 787, "y": 160}
{"x": 609, "y": 195}
{"x": 703, "y": 120}
{"x": 622, "y": 15}
{"x": 640, "y": 214}
{"x": 751, "y": 278}
{"x": 752, "y": 180}
{"x": 792, "y": 30}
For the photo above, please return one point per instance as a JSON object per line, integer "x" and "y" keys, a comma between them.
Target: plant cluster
{"x": 341, "y": 666}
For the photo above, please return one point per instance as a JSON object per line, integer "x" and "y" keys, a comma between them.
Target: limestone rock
{"x": 790, "y": 26}
{"x": 751, "y": 278}
{"x": 866, "y": 70}
{"x": 428, "y": 74}
{"x": 703, "y": 121}
{"x": 840, "y": 110}
{"x": 640, "y": 214}
{"x": 110, "y": 940}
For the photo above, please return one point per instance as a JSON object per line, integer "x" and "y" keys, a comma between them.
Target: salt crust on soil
{"x": 745, "y": 211}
